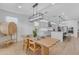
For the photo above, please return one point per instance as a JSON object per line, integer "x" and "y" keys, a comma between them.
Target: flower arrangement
{"x": 35, "y": 32}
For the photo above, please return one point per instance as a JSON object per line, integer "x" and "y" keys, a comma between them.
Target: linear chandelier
{"x": 36, "y": 14}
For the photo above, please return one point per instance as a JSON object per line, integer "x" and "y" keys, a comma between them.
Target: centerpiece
{"x": 35, "y": 33}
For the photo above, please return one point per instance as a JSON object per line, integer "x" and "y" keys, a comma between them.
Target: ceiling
{"x": 70, "y": 10}
{"x": 26, "y": 7}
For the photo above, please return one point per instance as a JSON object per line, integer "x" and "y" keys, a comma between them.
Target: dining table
{"x": 45, "y": 43}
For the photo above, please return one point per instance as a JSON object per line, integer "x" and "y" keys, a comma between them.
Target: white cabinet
{"x": 57, "y": 35}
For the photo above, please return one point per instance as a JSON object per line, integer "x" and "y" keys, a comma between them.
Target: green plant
{"x": 35, "y": 33}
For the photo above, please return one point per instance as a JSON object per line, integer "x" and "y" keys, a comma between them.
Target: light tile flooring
{"x": 68, "y": 47}
{"x": 14, "y": 49}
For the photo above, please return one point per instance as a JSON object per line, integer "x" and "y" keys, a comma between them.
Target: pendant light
{"x": 36, "y": 15}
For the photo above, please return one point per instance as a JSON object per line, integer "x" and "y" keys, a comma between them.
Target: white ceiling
{"x": 26, "y": 7}
{"x": 70, "y": 10}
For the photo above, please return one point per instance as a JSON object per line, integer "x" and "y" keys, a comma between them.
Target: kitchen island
{"x": 57, "y": 35}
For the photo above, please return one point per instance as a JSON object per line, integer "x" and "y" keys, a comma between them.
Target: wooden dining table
{"x": 45, "y": 43}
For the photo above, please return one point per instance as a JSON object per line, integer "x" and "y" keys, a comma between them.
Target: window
{"x": 11, "y": 19}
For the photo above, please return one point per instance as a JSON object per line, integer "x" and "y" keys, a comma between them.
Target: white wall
{"x": 24, "y": 26}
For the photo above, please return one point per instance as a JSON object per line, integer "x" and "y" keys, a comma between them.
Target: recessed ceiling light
{"x": 53, "y": 3}
{"x": 19, "y": 6}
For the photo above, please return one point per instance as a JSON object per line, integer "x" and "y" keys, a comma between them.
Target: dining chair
{"x": 34, "y": 47}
